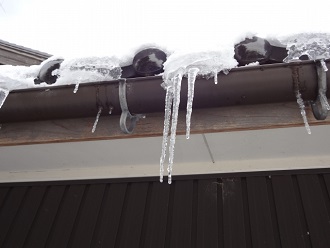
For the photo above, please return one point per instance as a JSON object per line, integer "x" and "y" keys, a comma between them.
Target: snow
{"x": 72, "y": 71}
{"x": 315, "y": 45}
{"x": 203, "y": 63}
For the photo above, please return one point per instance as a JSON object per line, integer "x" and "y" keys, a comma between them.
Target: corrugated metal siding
{"x": 289, "y": 210}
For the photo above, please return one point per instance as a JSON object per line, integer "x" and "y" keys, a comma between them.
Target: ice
{"x": 87, "y": 70}
{"x": 167, "y": 119}
{"x": 315, "y": 45}
{"x": 215, "y": 75}
{"x": 192, "y": 73}
{"x": 176, "y": 102}
{"x": 324, "y": 65}
{"x": 205, "y": 63}
{"x": 97, "y": 119}
{"x": 76, "y": 87}
{"x": 301, "y": 104}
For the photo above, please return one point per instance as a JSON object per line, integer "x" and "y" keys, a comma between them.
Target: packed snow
{"x": 314, "y": 45}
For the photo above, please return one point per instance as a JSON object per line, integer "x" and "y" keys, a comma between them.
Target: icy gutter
{"x": 242, "y": 86}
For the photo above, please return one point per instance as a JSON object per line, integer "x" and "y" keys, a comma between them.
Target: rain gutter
{"x": 242, "y": 86}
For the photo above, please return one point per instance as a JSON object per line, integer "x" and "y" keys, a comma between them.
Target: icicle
{"x": 215, "y": 75}
{"x": 168, "y": 106}
{"x": 225, "y": 71}
{"x": 324, "y": 65}
{"x": 3, "y": 95}
{"x": 176, "y": 103}
{"x": 76, "y": 87}
{"x": 97, "y": 119}
{"x": 110, "y": 110}
{"x": 192, "y": 73}
{"x": 302, "y": 111}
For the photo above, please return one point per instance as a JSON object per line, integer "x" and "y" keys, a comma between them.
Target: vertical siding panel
{"x": 207, "y": 215}
{"x": 9, "y": 210}
{"x": 63, "y": 225}
{"x": 25, "y": 217}
{"x": 327, "y": 182}
{"x": 3, "y": 193}
{"x": 132, "y": 220}
{"x": 157, "y": 216}
{"x": 86, "y": 219}
{"x": 108, "y": 221}
{"x": 182, "y": 214}
{"x": 45, "y": 217}
{"x": 260, "y": 214}
{"x": 221, "y": 235}
{"x": 289, "y": 221}
{"x": 315, "y": 209}
{"x": 233, "y": 214}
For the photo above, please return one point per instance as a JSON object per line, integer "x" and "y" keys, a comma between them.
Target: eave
{"x": 248, "y": 98}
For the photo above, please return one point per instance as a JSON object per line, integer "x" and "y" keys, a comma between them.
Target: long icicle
{"x": 192, "y": 73}
{"x": 167, "y": 118}
{"x": 301, "y": 104}
{"x": 176, "y": 103}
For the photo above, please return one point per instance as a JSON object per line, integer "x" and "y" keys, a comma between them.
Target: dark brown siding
{"x": 265, "y": 209}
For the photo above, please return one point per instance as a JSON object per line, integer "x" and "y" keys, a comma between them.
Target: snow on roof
{"x": 24, "y": 49}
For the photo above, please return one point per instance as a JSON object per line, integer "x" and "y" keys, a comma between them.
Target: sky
{"x": 105, "y": 28}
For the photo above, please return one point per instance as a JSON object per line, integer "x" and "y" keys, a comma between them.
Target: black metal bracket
{"x": 125, "y": 114}
{"x": 320, "y": 106}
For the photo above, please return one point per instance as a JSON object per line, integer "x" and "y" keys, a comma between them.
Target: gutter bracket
{"x": 321, "y": 106}
{"x": 125, "y": 112}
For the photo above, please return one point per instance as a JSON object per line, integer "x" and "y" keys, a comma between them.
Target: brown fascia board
{"x": 12, "y": 54}
{"x": 242, "y": 86}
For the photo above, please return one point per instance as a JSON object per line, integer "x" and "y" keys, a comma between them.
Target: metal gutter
{"x": 242, "y": 86}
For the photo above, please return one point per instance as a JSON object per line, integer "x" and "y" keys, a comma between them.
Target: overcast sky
{"x": 80, "y": 28}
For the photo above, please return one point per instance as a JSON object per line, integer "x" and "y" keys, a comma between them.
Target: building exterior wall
{"x": 261, "y": 209}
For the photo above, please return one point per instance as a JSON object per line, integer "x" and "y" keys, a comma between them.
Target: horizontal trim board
{"x": 306, "y": 171}
{"x": 226, "y": 119}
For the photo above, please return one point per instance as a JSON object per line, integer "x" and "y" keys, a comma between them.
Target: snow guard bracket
{"x": 125, "y": 112}
{"x": 321, "y": 106}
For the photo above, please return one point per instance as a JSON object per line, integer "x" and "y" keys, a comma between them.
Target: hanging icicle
{"x": 192, "y": 73}
{"x": 167, "y": 119}
{"x": 301, "y": 104}
{"x": 97, "y": 119}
